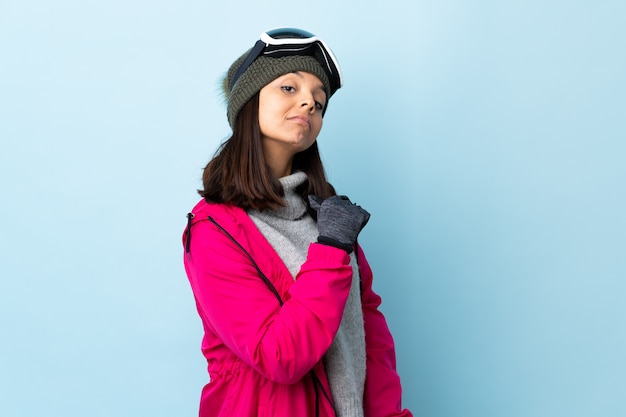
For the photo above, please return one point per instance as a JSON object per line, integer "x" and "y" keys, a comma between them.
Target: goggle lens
{"x": 282, "y": 33}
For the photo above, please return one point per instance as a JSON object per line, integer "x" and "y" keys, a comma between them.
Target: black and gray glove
{"x": 339, "y": 221}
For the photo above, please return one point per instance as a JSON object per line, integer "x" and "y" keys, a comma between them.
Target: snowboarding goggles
{"x": 281, "y": 42}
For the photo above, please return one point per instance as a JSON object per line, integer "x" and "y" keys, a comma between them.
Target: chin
{"x": 303, "y": 145}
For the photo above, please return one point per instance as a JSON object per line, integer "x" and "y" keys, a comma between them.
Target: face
{"x": 290, "y": 115}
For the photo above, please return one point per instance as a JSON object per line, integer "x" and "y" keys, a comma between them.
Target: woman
{"x": 291, "y": 323}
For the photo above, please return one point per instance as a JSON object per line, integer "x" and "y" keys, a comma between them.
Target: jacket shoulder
{"x": 222, "y": 213}
{"x": 215, "y": 216}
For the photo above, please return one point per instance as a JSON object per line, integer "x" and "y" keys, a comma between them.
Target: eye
{"x": 319, "y": 105}
{"x": 288, "y": 88}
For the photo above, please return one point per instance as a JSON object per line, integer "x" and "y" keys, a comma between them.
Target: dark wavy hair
{"x": 239, "y": 175}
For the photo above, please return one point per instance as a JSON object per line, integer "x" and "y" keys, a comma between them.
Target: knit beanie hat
{"x": 261, "y": 72}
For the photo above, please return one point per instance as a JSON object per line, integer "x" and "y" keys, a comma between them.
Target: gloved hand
{"x": 339, "y": 221}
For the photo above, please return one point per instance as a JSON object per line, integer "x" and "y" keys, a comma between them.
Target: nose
{"x": 308, "y": 101}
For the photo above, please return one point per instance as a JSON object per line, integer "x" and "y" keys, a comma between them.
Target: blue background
{"x": 486, "y": 138}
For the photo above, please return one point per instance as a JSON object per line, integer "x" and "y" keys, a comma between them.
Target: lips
{"x": 303, "y": 120}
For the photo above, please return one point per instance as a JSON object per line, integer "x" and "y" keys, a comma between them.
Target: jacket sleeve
{"x": 281, "y": 343}
{"x": 383, "y": 391}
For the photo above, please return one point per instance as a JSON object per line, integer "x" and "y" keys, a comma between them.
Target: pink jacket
{"x": 264, "y": 349}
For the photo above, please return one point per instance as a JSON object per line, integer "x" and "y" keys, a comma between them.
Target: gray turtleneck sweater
{"x": 290, "y": 231}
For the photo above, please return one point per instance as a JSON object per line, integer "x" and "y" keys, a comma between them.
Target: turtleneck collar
{"x": 296, "y": 207}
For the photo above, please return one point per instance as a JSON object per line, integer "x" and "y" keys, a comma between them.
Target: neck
{"x": 280, "y": 167}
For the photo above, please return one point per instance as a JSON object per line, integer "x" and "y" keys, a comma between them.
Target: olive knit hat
{"x": 260, "y": 73}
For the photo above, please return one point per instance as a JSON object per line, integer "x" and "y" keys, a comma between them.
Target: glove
{"x": 339, "y": 221}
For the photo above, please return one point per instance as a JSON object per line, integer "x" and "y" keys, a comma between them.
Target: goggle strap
{"x": 254, "y": 53}
{"x": 258, "y": 48}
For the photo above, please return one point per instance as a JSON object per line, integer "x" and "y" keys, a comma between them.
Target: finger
{"x": 315, "y": 202}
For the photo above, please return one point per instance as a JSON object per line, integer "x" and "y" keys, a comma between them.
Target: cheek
{"x": 264, "y": 116}
{"x": 270, "y": 114}
{"x": 317, "y": 125}
{"x": 264, "y": 121}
